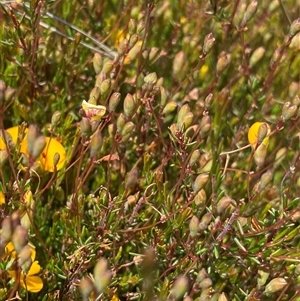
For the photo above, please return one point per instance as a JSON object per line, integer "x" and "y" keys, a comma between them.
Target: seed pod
{"x": 208, "y": 100}
{"x": 114, "y": 100}
{"x": 209, "y": 41}
{"x": 163, "y": 96}
{"x": 256, "y": 56}
{"x": 262, "y": 133}
{"x": 169, "y": 108}
{"x": 275, "y": 285}
{"x": 153, "y": 54}
{"x": 260, "y": 155}
{"x": 19, "y": 238}
{"x": 201, "y": 275}
{"x": 151, "y": 78}
{"x": 296, "y": 101}
{"x": 194, "y": 226}
{"x": 178, "y": 63}
{"x": 140, "y": 27}
{"x": 97, "y": 62}
{"x": 121, "y": 122}
{"x": 200, "y": 182}
{"x": 99, "y": 79}
{"x": 295, "y": 28}
{"x": 133, "y": 40}
{"x": 180, "y": 287}
{"x": 293, "y": 90}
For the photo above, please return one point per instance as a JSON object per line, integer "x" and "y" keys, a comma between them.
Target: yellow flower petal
{"x": 34, "y": 269}
{"x": 2, "y": 198}
{"x": 253, "y": 134}
{"x": 33, "y": 283}
{"x": 46, "y": 159}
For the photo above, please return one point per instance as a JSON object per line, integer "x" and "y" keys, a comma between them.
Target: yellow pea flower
{"x": 30, "y": 281}
{"x": 254, "y": 132}
{"x": 46, "y": 158}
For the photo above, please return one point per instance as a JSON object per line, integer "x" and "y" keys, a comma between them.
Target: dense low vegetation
{"x": 150, "y": 150}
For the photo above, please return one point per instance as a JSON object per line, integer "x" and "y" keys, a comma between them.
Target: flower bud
{"x": 288, "y": 111}
{"x": 128, "y": 128}
{"x": 200, "y": 182}
{"x": 154, "y": 52}
{"x": 31, "y": 138}
{"x": 205, "y": 126}
{"x": 262, "y": 278}
{"x": 223, "y": 204}
{"x": 85, "y": 127}
{"x": 6, "y": 230}
{"x": 151, "y": 78}
{"x": 180, "y": 287}
{"x": 265, "y": 179}
{"x": 15, "y": 219}
{"x": 222, "y": 297}
{"x": 178, "y": 63}
{"x": 131, "y": 178}
{"x": 169, "y": 108}
{"x": 86, "y": 287}
{"x": 223, "y": 61}
{"x": 3, "y": 156}
{"x": 55, "y": 119}
{"x": 205, "y": 221}
{"x": 129, "y": 105}
{"x": 208, "y": 100}
{"x": 102, "y": 275}
{"x": 201, "y": 275}
{"x": 24, "y": 255}
{"x": 296, "y": 101}
{"x": 123, "y": 47}
{"x": 200, "y": 198}
{"x": 105, "y": 87}
{"x": 194, "y": 157}
{"x": 99, "y": 79}
{"x": 19, "y": 238}
{"x": 108, "y": 66}
{"x": 194, "y": 226}
{"x": 140, "y": 27}
{"x": 97, "y": 62}
{"x": 163, "y": 96}
{"x": 95, "y": 145}
{"x": 256, "y": 56}
{"x": 293, "y": 89}
{"x": 205, "y": 283}
{"x": 250, "y": 12}
{"x": 297, "y": 269}
{"x": 185, "y": 117}
{"x": 9, "y": 93}
{"x": 263, "y": 131}
{"x": 132, "y": 26}
{"x": 114, "y": 100}
{"x": 275, "y": 285}
{"x": 121, "y": 122}
{"x": 208, "y": 43}
{"x": 280, "y": 155}
{"x": 133, "y": 40}
{"x": 94, "y": 95}
{"x": 39, "y": 145}
{"x": 260, "y": 155}
{"x": 295, "y": 28}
